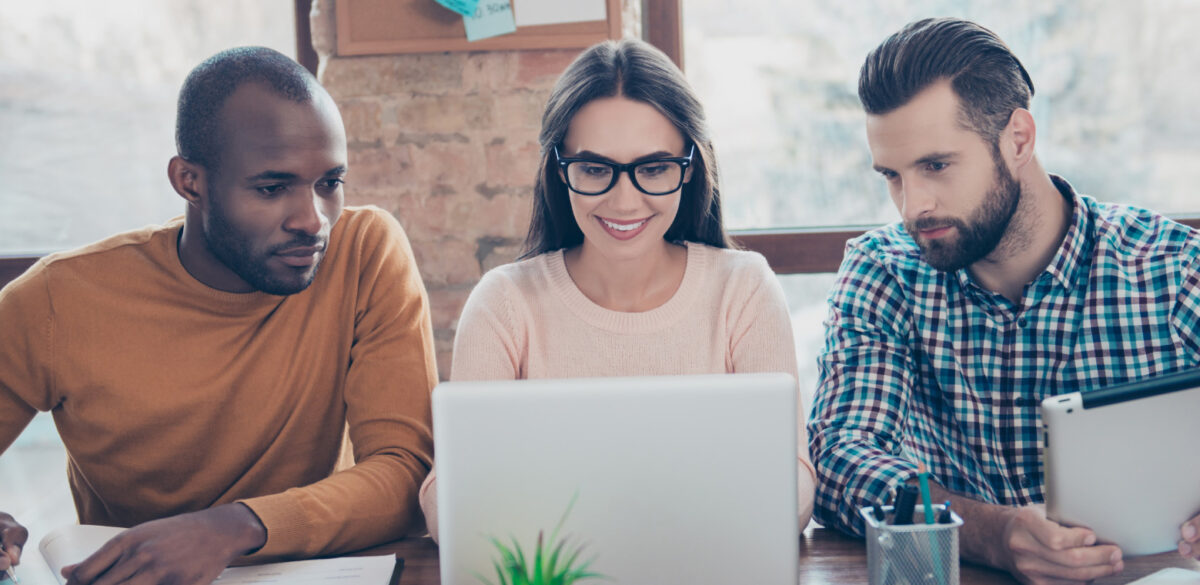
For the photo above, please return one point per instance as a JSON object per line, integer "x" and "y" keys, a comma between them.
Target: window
{"x": 1114, "y": 88}
{"x": 87, "y": 101}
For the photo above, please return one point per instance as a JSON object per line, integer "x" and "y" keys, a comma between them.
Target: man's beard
{"x": 234, "y": 251}
{"x": 978, "y": 237}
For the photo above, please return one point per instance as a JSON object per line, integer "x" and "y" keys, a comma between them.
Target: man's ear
{"x": 189, "y": 180}
{"x": 1019, "y": 138}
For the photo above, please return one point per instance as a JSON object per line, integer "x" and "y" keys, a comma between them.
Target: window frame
{"x": 799, "y": 250}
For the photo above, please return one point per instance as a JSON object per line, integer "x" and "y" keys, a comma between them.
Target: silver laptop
{"x": 666, "y": 479}
{"x": 1121, "y": 460}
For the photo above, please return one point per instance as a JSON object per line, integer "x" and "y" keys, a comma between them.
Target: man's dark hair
{"x": 198, "y": 125}
{"x": 988, "y": 79}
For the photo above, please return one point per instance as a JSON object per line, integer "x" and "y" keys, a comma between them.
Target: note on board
{"x": 492, "y": 18}
{"x": 535, "y": 12}
{"x": 463, "y": 7}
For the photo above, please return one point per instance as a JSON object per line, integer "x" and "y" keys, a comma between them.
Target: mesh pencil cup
{"x": 912, "y": 554}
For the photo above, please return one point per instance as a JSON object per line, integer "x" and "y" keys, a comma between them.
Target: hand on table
{"x": 189, "y": 549}
{"x": 1189, "y": 542}
{"x": 1040, "y": 551}
{"x": 12, "y": 537}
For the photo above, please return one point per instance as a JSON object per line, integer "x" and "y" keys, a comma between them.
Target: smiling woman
{"x": 627, "y": 269}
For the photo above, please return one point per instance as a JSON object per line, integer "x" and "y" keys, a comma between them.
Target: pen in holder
{"x": 911, "y": 554}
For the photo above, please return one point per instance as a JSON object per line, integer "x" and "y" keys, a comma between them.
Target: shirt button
{"x": 1021, "y": 322}
{"x": 1025, "y": 480}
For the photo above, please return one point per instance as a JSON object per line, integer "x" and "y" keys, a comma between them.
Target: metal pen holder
{"x": 912, "y": 554}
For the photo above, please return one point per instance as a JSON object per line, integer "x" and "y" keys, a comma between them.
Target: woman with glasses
{"x": 627, "y": 269}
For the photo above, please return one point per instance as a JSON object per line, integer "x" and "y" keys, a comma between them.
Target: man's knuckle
{"x": 1075, "y": 557}
{"x": 1012, "y": 541}
{"x": 142, "y": 557}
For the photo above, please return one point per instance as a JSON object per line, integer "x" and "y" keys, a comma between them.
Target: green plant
{"x": 553, "y": 564}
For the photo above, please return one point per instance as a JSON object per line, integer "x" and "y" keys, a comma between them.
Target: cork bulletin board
{"x": 376, "y": 27}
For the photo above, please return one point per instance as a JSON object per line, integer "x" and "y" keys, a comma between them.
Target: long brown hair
{"x": 635, "y": 70}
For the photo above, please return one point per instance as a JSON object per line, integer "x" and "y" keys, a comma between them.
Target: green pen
{"x": 926, "y": 501}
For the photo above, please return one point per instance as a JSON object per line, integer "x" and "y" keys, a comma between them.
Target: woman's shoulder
{"x": 724, "y": 263}
{"x": 523, "y": 278}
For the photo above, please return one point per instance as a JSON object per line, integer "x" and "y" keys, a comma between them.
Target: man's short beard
{"x": 233, "y": 250}
{"x": 978, "y": 236}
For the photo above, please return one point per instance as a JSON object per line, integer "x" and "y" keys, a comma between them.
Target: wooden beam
{"x": 799, "y": 251}
{"x": 662, "y": 26}
{"x": 306, "y": 55}
{"x": 814, "y": 250}
{"x": 788, "y": 251}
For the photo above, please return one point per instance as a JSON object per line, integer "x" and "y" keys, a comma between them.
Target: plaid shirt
{"x": 925, "y": 365}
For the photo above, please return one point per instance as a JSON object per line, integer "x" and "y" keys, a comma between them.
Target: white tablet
{"x": 1122, "y": 460}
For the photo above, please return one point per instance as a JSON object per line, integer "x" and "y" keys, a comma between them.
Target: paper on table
{"x": 1171, "y": 576}
{"x": 492, "y": 18}
{"x": 534, "y": 12}
{"x": 71, "y": 544}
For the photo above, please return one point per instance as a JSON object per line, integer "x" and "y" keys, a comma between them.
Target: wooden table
{"x": 826, "y": 557}
{"x": 33, "y": 487}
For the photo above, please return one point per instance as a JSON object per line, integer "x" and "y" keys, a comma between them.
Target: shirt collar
{"x": 1076, "y": 242}
{"x": 1074, "y": 246}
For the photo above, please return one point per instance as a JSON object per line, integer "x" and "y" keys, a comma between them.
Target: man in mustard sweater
{"x": 201, "y": 373}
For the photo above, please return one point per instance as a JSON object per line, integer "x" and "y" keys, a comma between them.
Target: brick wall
{"x": 447, "y": 142}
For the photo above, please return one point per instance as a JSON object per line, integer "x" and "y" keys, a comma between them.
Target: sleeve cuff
{"x": 287, "y": 527}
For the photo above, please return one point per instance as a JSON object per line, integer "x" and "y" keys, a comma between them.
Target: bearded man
{"x": 1000, "y": 287}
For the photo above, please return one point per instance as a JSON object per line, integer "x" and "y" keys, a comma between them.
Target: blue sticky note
{"x": 463, "y": 7}
{"x": 492, "y": 18}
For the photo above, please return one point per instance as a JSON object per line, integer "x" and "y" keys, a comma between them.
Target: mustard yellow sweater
{"x": 171, "y": 396}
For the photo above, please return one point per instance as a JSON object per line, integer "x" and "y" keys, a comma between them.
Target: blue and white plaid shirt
{"x": 925, "y": 365}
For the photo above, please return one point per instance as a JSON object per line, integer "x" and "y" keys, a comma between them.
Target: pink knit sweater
{"x": 529, "y": 320}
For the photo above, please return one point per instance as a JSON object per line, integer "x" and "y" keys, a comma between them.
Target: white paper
{"x": 71, "y": 544}
{"x": 1171, "y": 576}
{"x": 534, "y": 12}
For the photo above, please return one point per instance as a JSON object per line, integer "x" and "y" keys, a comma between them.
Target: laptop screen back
{"x": 669, "y": 479}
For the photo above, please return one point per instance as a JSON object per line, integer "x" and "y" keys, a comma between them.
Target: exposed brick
{"x": 493, "y": 252}
{"x": 541, "y": 68}
{"x": 485, "y": 71}
{"x": 364, "y": 121}
{"x": 423, "y": 216}
{"x": 512, "y": 162}
{"x": 446, "y": 114}
{"x": 446, "y": 304}
{"x": 348, "y": 77}
{"x": 389, "y": 168}
{"x": 503, "y": 216}
{"x": 462, "y": 165}
{"x": 323, "y": 26}
{"x": 446, "y": 262}
{"x": 520, "y": 112}
{"x": 443, "y": 345}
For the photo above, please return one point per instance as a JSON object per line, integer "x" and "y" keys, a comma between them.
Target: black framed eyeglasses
{"x": 660, "y": 176}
